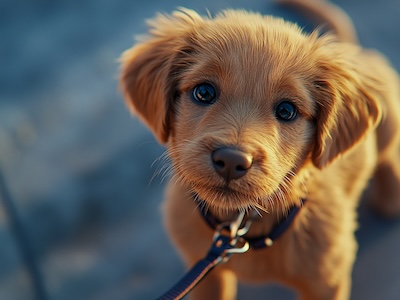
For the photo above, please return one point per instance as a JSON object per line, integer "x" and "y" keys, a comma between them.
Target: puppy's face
{"x": 244, "y": 102}
{"x": 243, "y": 123}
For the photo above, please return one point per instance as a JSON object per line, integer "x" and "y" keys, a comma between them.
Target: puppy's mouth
{"x": 225, "y": 197}
{"x": 223, "y": 190}
{"x": 226, "y": 190}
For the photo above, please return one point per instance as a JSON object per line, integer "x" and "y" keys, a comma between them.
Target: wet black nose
{"x": 231, "y": 163}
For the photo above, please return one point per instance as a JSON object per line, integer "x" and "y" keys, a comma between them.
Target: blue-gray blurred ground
{"x": 79, "y": 166}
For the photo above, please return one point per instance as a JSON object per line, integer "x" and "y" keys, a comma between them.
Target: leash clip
{"x": 228, "y": 239}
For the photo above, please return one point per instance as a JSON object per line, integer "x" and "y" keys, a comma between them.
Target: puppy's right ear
{"x": 150, "y": 70}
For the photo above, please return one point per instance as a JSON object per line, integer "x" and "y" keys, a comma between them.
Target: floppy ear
{"x": 348, "y": 102}
{"x": 150, "y": 72}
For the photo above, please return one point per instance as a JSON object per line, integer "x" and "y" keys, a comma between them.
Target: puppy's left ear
{"x": 348, "y": 102}
{"x": 150, "y": 70}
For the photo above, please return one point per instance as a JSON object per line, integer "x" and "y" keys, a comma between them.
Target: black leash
{"x": 228, "y": 239}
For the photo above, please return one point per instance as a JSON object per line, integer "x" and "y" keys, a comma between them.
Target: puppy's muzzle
{"x": 231, "y": 163}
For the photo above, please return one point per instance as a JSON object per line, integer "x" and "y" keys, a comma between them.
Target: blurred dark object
{"x": 23, "y": 240}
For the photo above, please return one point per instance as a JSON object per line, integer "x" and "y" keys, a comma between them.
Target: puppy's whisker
{"x": 267, "y": 201}
{"x": 168, "y": 172}
{"x": 164, "y": 171}
{"x": 286, "y": 186}
{"x": 257, "y": 208}
{"x": 200, "y": 205}
{"x": 160, "y": 158}
{"x": 155, "y": 174}
{"x": 280, "y": 194}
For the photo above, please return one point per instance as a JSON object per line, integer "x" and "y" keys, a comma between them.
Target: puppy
{"x": 258, "y": 116}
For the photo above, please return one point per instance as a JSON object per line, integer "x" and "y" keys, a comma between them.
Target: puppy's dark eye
{"x": 286, "y": 111}
{"x": 204, "y": 93}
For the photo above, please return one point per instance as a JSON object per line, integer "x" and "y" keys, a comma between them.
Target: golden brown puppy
{"x": 257, "y": 114}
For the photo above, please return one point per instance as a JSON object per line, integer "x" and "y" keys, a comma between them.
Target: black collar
{"x": 263, "y": 241}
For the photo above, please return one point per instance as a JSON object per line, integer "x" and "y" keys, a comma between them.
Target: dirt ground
{"x": 79, "y": 167}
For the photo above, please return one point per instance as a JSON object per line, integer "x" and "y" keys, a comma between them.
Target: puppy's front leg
{"x": 319, "y": 291}
{"x": 220, "y": 283}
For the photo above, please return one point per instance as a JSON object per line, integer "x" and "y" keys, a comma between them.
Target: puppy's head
{"x": 246, "y": 102}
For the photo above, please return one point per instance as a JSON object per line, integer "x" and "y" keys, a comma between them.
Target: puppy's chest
{"x": 270, "y": 264}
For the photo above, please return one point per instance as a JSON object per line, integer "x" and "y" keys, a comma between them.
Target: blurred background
{"x": 84, "y": 220}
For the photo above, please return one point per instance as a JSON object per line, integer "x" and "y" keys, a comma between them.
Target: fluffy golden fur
{"x": 345, "y": 133}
